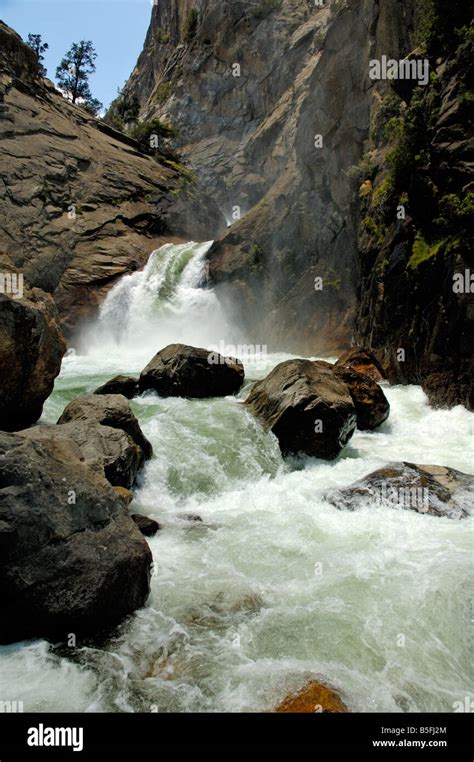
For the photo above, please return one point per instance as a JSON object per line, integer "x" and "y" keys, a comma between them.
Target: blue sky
{"x": 116, "y": 27}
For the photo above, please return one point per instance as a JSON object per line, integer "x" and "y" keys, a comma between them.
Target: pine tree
{"x": 35, "y": 42}
{"x": 73, "y": 75}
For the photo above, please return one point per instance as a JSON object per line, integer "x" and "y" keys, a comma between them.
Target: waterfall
{"x": 165, "y": 303}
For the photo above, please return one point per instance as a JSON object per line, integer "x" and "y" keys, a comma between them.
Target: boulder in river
{"x": 184, "y": 371}
{"x": 371, "y": 405}
{"x": 111, "y": 452}
{"x": 306, "y": 406}
{"x": 31, "y": 350}
{"x": 147, "y": 526}
{"x": 126, "y": 385}
{"x": 72, "y": 560}
{"x": 110, "y": 410}
{"x": 363, "y": 362}
{"x": 315, "y": 697}
{"x": 436, "y": 490}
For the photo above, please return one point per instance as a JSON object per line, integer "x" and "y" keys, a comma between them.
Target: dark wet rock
{"x": 147, "y": 526}
{"x": 314, "y": 697}
{"x": 371, "y": 405}
{"x": 435, "y": 490}
{"x": 110, "y": 410}
{"x": 31, "y": 350}
{"x": 307, "y": 408}
{"x": 111, "y": 452}
{"x": 189, "y": 517}
{"x": 72, "y": 559}
{"x": 363, "y": 362}
{"x": 185, "y": 371}
{"x": 126, "y": 385}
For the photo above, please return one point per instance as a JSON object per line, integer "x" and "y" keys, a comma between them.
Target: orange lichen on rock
{"x": 314, "y": 697}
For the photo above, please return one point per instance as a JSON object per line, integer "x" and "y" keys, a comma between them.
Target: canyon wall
{"x": 275, "y": 143}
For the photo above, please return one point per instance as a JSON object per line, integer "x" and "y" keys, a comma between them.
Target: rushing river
{"x": 274, "y": 585}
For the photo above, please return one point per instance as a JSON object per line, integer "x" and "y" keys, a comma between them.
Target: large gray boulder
{"x": 109, "y": 410}
{"x": 308, "y": 409}
{"x": 111, "y": 452}
{"x": 126, "y": 385}
{"x": 435, "y": 490}
{"x": 72, "y": 560}
{"x": 179, "y": 370}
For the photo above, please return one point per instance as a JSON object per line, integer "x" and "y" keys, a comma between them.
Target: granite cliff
{"x": 277, "y": 115}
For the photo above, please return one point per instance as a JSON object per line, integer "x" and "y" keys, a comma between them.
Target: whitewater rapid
{"x": 274, "y": 585}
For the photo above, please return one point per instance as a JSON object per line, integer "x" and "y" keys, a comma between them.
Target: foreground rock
{"x": 363, "y": 362}
{"x": 314, "y": 697}
{"x": 307, "y": 408}
{"x": 72, "y": 560}
{"x": 371, "y": 405}
{"x": 436, "y": 490}
{"x": 184, "y": 371}
{"x": 31, "y": 350}
{"x": 110, "y": 410}
{"x": 126, "y": 385}
{"x": 108, "y": 451}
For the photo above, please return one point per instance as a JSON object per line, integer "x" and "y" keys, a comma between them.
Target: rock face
{"x": 80, "y": 203}
{"x": 109, "y": 451}
{"x": 297, "y": 155}
{"x": 72, "y": 560}
{"x": 126, "y": 385}
{"x": 31, "y": 350}
{"x": 110, "y": 410}
{"x": 184, "y": 371}
{"x": 307, "y": 408}
{"x": 416, "y": 292}
{"x": 362, "y": 362}
{"x": 274, "y": 143}
{"x": 371, "y": 405}
{"x": 314, "y": 697}
{"x": 435, "y": 490}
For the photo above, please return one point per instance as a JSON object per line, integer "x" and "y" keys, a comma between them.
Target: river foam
{"x": 274, "y": 585}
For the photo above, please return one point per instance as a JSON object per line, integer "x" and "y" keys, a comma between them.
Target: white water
{"x": 157, "y": 306}
{"x": 275, "y": 585}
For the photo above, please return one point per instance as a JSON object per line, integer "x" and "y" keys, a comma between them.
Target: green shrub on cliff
{"x": 163, "y": 37}
{"x": 162, "y": 92}
{"x": 423, "y": 251}
{"x": 122, "y": 111}
{"x": 190, "y": 27}
{"x": 147, "y": 134}
{"x": 412, "y": 132}
{"x": 439, "y": 22}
